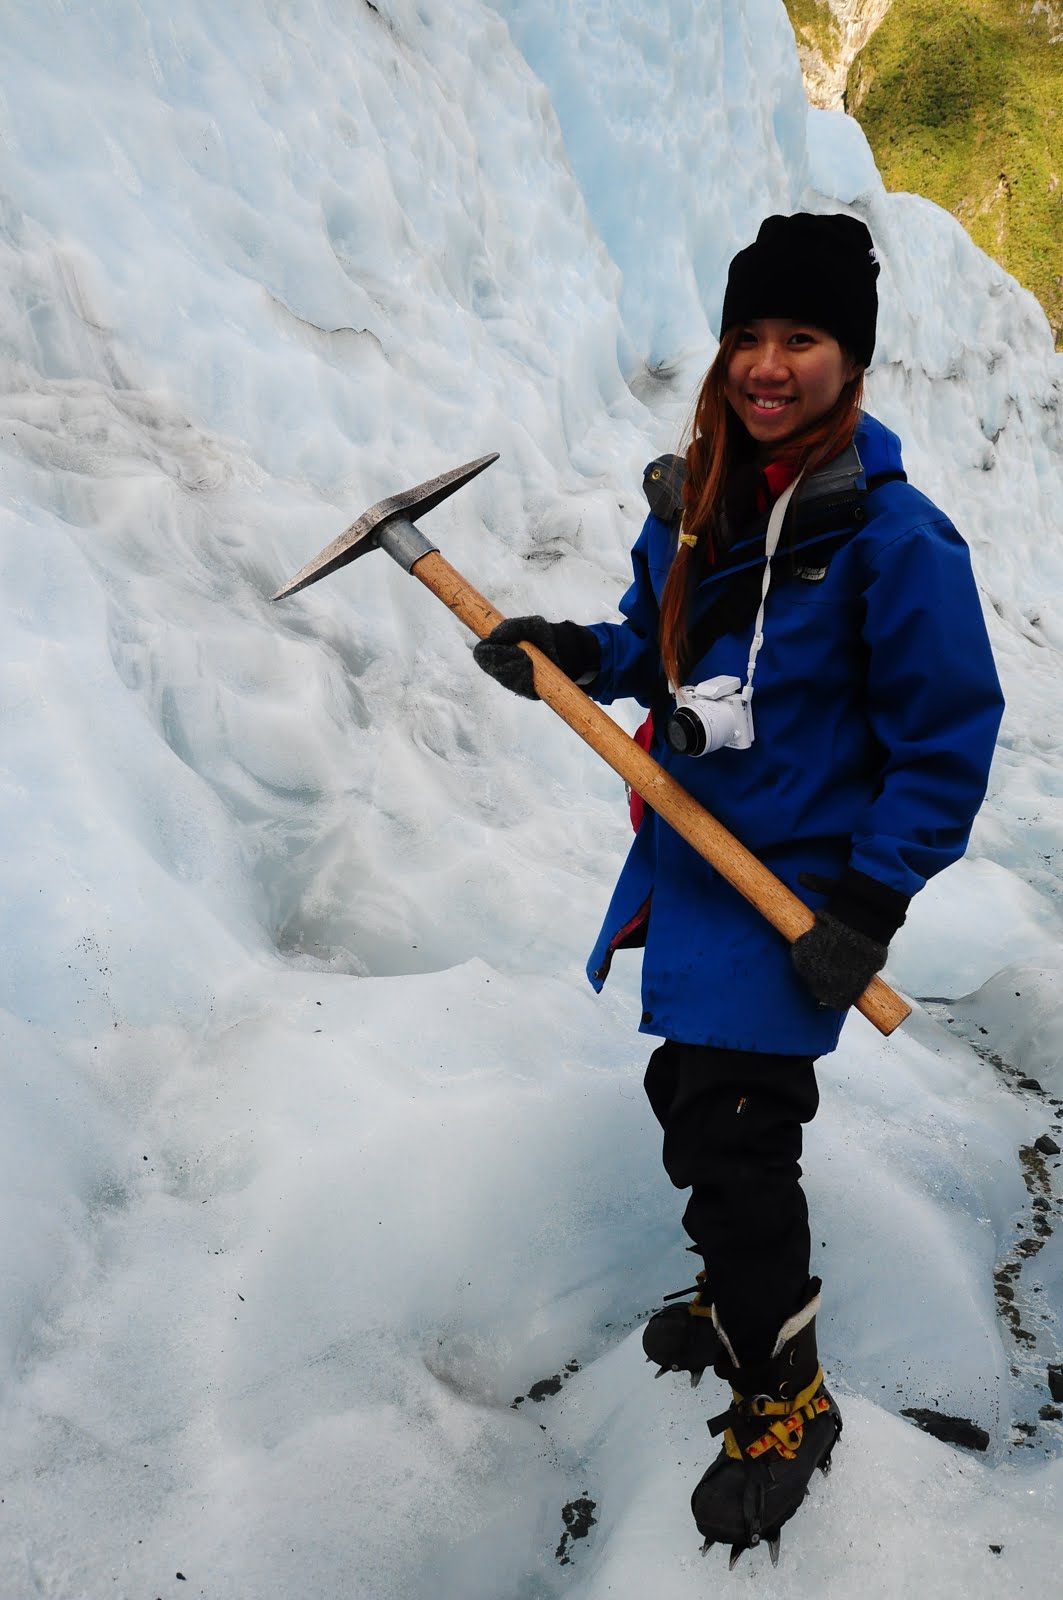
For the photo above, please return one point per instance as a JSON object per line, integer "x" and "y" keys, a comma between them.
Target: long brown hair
{"x": 718, "y": 445}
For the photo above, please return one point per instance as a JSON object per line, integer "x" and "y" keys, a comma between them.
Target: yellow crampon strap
{"x": 730, "y": 1444}
{"x": 785, "y": 1435}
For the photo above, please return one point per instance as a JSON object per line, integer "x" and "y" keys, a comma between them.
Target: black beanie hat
{"x": 816, "y": 269}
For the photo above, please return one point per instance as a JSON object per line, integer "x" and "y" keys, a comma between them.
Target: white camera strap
{"x": 771, "y": 543}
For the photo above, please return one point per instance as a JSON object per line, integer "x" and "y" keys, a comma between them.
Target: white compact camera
{"x": 710, "y": 716}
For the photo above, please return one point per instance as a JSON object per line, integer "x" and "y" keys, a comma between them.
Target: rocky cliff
{"x": 830, "y": 35}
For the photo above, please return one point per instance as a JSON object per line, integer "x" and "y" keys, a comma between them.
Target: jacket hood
{"x": 878, "y": 447}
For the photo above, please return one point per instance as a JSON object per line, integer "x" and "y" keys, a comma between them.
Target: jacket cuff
{"x": 869, "y": 907}
{"x": 578, "y": 652}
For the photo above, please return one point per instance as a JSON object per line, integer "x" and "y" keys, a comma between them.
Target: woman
{"x": 854, "y": 772}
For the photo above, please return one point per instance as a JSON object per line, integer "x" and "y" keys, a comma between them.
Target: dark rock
{"x": 1055, "y": 1382}
{"x": 578, "y": 1523}
{"x": 1047, "y": 1145}
{"x": 1030, "y": 1083}
{"x": 950, "y": 1430}
{"x": 1050, "y": 1414}
{"x": 996, "y": 1548}
{"x": 544, "y": 1387}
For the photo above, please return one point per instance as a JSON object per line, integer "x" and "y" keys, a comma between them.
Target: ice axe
{"x": 389, "y": 526}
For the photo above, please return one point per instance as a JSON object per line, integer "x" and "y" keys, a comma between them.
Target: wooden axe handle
{"x": 789, "y": 915}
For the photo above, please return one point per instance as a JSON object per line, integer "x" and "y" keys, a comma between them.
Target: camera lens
{"x": 686, "y": 732}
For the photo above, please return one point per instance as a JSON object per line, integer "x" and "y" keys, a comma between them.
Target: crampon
{"x": 683, "y": 1338}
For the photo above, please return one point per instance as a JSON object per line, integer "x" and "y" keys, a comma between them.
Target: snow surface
{"x": 318, "y": 1150}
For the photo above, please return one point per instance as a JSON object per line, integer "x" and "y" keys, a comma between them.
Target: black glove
{"x": 849, "y": 940}
{"x": 569, "y": 646}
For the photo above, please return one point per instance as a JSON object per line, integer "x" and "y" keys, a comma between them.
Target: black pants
{"x": 732, "y": 1135}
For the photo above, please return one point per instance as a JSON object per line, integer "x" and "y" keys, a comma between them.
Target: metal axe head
{"x": 364, "y": 535}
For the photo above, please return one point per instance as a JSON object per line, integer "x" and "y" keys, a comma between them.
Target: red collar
{"x": 777, "y": 475}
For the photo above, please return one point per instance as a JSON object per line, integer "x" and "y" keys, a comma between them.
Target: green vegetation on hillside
{"x": 962, "y": 101}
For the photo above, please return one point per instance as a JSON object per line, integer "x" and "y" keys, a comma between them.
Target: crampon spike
{"x": 662, "y": 1370}
{"x": 736, "y": 1551}
{"x": 696, "y": 1377}
{"x": 773, "y": 1550}
{"x": 707, "y": 1546}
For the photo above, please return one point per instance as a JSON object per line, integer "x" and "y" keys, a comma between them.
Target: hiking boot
{"x": 782, "y": 1425}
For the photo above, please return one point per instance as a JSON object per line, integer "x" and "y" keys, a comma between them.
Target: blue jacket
{"x": 876, "y": 706}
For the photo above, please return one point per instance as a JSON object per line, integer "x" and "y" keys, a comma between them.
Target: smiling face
{"x": 784, "y": 376}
